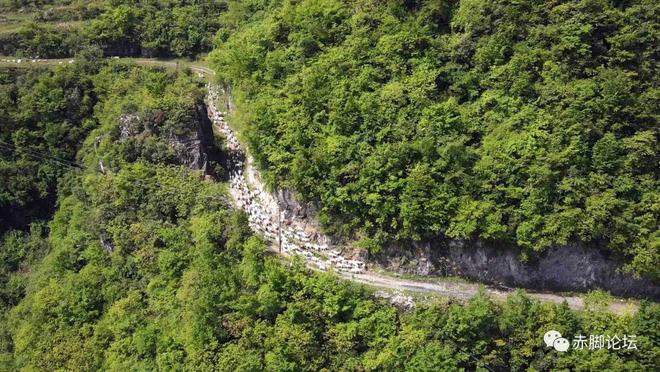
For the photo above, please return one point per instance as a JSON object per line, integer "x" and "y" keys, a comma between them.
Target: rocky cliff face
{"x": 191, "y": 146}
{"x": 575, "y": 267}
{"x": 196, "y": 149}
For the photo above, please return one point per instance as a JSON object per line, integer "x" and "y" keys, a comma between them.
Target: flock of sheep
{"x": 35, "y": 60}
{"x": 288, "y": 233}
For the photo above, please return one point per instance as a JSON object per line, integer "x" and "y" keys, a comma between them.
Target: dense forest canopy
{"x": 44, "y": 117}
{"x": 529, "y": 122}
{"x": 146, "y": 267}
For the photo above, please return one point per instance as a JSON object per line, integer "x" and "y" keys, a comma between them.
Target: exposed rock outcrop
{"x": 575, "y": 267}
{"x": 196, "y": 149}
{"x": 191, "y": 146}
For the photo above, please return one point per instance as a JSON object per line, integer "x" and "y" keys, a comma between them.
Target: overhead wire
{"x": 74, "y": 165}
{"x": 40, "y": 155}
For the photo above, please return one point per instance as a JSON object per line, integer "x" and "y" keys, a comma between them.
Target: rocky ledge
{"x": 190, "y": 144}
{"x": 575, "y": 267}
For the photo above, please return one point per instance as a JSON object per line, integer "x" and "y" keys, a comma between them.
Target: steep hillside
{"x": 44, "y": 115}
{"x": 144, "y": 266}
{"x": 531, "y": 123}
{"x": 509, "y": 137}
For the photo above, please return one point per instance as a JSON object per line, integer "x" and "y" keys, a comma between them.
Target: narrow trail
{"x": 292, "y": 235}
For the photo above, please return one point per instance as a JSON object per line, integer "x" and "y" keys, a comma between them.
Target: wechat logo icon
{"x": 554, "y": 339}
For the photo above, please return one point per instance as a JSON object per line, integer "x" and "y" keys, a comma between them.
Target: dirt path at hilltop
{"x": 250, "y": 195}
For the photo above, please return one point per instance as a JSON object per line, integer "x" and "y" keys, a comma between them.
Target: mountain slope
{"x": 530, "y": 123}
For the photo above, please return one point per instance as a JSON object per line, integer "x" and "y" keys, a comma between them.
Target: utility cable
{"x": 40, "y": 155}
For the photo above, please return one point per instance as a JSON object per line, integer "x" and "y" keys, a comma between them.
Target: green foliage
{"x": 152, "y": 28}
{"x": 45, "y": 117}
{"x": 148, "y": 269}
{"x": 527, "y": 122}
{"x": 142, "y": 113}
{"x": 531, "y": 122}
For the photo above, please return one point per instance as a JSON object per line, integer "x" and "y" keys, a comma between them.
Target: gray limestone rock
{"x": 575, "y": 267}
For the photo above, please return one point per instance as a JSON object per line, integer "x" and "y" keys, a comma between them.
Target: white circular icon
{"x": 550, "y": 337}
{"x": 561, "y": 344}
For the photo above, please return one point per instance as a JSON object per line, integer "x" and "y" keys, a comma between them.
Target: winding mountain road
{"x": 250, "y": 194}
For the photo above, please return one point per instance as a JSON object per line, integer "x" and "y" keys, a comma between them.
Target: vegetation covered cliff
{"x": 528, "y": 122}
